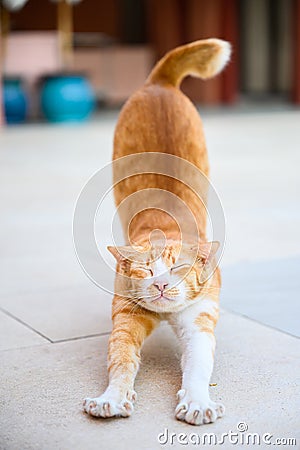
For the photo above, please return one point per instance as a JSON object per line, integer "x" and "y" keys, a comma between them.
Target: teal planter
{"x": 15, "y": 100}
{"x": 67, "y": 98}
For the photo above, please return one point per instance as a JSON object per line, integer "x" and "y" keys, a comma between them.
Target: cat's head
{"x": 164, "y": 277}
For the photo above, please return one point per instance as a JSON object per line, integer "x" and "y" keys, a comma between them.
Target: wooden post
{"x": 230, "y": 77}
{"x": 164, "y": 25}
{"x": 203, "y": 20}
{"x": 65, "y": 31}
{"x": 296, "y": 53}
{"x": 4, "y": 27}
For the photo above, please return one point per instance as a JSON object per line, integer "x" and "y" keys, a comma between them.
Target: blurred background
{"x": 98, "y": 52}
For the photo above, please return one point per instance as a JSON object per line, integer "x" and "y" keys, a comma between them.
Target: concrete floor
{"x": 54, "y": 323}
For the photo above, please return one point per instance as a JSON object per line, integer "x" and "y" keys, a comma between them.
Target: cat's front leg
{"x": 129, "y": 332}
{"x": 195, "y": 329}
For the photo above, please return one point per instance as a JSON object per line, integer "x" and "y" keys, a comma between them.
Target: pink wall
{"x": 116, "y": 71}
{"x": 31, "y": 54}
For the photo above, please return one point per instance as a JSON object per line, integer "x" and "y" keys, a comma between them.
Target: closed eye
{"x": 141, "y": 272}
{"x": 180, "y": 266}
{"x": 146, "y": 269}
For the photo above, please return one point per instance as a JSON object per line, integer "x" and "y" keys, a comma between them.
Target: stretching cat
{"x": 161, "y": 280}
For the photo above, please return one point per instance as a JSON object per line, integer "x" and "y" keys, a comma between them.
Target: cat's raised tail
{"x": 202, "y": 59}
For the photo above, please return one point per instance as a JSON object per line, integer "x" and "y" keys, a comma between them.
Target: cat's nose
{"x": 161, "y": 285}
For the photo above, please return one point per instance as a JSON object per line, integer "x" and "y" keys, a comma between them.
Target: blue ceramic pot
{"x": 67, "y": 98}
{"x": 15, "y": 101}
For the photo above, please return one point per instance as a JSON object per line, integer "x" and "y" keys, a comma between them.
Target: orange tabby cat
{"x": 161, "y": 280}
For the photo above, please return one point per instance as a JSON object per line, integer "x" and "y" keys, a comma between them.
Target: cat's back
{"x": 161, "y": 119}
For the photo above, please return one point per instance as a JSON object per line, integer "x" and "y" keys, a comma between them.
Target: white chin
{"x": 162, "y": 305}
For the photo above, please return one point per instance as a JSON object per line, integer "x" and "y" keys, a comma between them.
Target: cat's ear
{"x": 114, "y": 251}
{"x": 207, "y": 250}
{"x": 117, "y": 253}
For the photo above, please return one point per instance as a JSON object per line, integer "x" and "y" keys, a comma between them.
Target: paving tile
{"x": 267, "y": 291}
{"x": 63, "y": 313}
{"x": 254, "y": 167}
{"x": 29, "y": 273}
{"x": 42, "y": 171}
{"x": 256, "y": 374}
{"x": 14, "y": 334}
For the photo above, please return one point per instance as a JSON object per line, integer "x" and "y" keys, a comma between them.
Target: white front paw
{"x": 197, "y": 412}
{"x": 110, "y": 404}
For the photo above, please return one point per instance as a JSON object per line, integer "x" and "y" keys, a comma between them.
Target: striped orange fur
{"x": 163, "y": 281}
